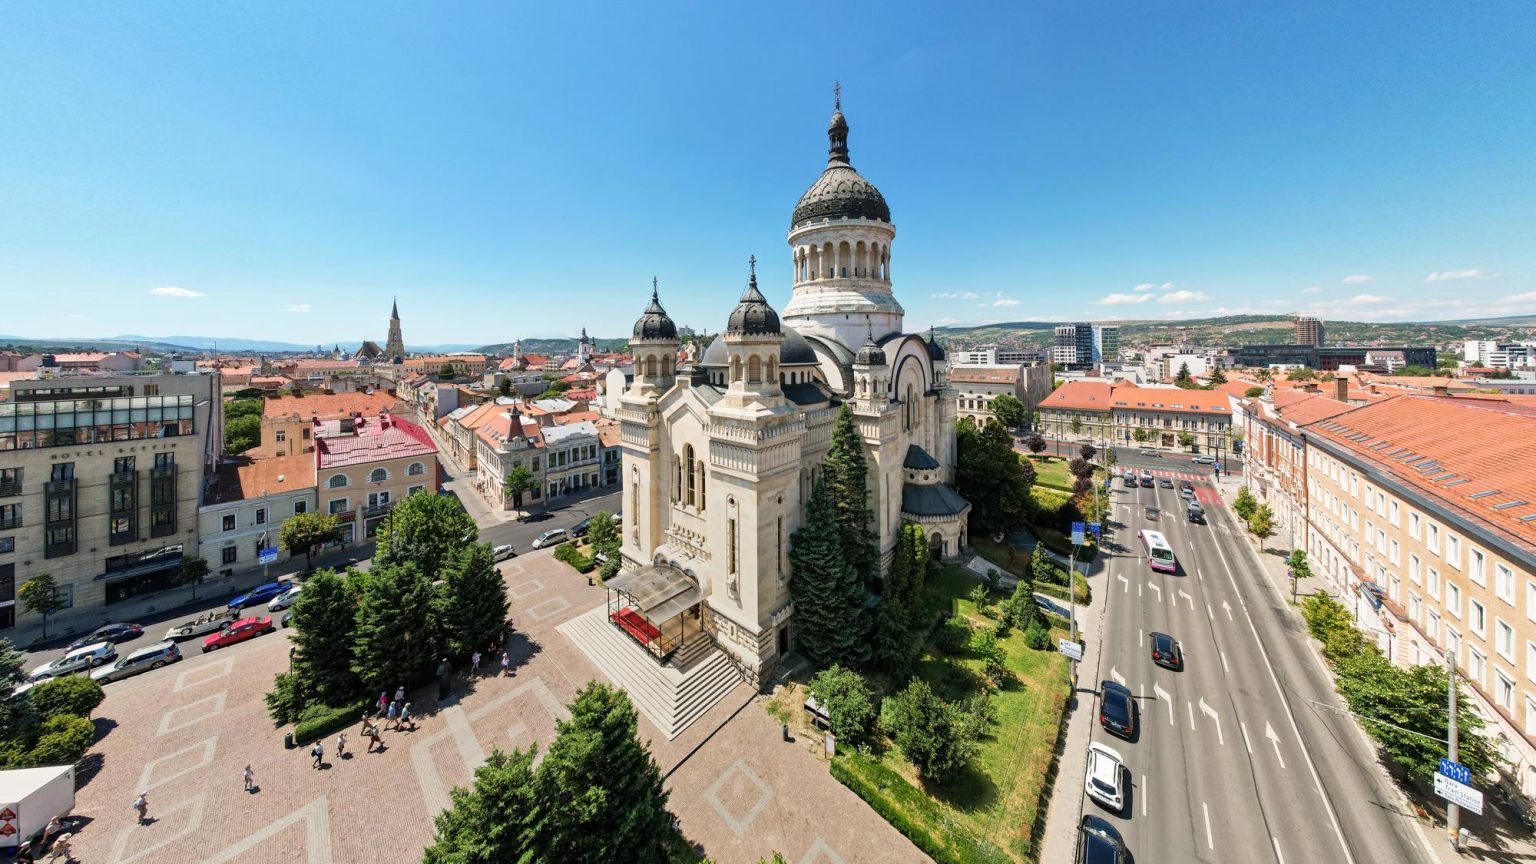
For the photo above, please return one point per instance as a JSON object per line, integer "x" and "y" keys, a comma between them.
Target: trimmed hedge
{"x": 567, "y": 552}
{"x": 910, "y": 811}
{"x": 322, "y": 721}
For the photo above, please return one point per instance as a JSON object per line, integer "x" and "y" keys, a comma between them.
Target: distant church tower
{"x": 394, "y": 346}
{"x": 584, "y": 349}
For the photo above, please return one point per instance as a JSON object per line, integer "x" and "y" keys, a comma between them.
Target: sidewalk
{"x": 1493, "y": 838}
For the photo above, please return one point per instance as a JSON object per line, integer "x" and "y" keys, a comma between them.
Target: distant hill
{"x": 75, "y": 343}
{"x": 222, "y": 343}
{"x": 552, "y": 346}
{"x": 1233, "y": 330}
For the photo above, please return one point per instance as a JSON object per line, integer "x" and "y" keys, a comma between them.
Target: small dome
{"x": 654, "y": 323}
{"x": 793, "y": 351}
{"x": 753, "y": 315}
{"x": 840, "y": 192}
{"x": 935, "y": 350}
{"x": 870, "y": 354}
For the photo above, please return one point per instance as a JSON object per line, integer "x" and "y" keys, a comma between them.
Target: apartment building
{"x": 287, "y": 422}
{"x": 1422, "y": 511}
{"x": 100, "y": 475}
{"x": 1276, "y": 452}
{"x": 363, "y": 468}
{"x": 976, "y": 385}
{"x": 1162, "y": 418}
{"x": 245, "y": 503}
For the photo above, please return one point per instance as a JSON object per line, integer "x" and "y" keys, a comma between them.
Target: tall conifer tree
{"x": 828, "y": 595}
{"x": 847, "y": 475}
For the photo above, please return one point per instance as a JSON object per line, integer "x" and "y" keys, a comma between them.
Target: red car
{"x": 239, "y": 631}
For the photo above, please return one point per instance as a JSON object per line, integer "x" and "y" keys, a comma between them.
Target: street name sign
{"x": 1459, "y": 794}
{"x": 1456, "y": 771}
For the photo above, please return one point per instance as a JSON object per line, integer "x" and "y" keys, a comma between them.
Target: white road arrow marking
{"x": 1125, "y": 587}
{"x": 1211, "y": 713}
{"x": 1120, "y": 679}
{"x": 1162, "y": 694}
{"x": 1269, "y": 732}
{"x": 1158, "y": 588}
{"x": 1228, "y": 606}
{"x": 1190, "y": 600}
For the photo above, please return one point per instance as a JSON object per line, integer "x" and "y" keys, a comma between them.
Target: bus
{"x": 1159, "y": 553}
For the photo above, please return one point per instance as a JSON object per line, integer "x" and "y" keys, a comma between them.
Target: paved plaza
{"x": 186, "y": 733}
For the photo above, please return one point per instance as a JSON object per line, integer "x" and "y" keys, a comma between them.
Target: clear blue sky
{"x": 519, "y": 169}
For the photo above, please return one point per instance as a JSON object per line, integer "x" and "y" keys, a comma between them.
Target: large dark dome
{"x": 753, "y": 315}
{"x": 655, "y": 323}
{"x": 840, "y": 192}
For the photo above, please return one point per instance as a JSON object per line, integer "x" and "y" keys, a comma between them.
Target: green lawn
{"x": 990, "y": 811}
{"x": 1052, "y": 472}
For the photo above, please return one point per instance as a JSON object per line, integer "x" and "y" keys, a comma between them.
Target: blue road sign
{"x": 1077, "y": 527}
{"x": 1093, "y": 528}
{"x": 1456, "y": 771}
{"x": 267, "y": 555}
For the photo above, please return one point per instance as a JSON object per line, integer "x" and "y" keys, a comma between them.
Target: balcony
{"x": 58, "y": 550}
{"x": 122, "y": 477}
{"x": 59, "y": 487}
{"x": 7, "y": 489}
{"x": 376, "y": 510}
{"x": 168, "y": 473}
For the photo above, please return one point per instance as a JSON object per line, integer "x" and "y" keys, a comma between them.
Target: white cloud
{"x": 1121, "y": 299}
{"x": 956, "y": 295}
{"x": 1180, "y": 296}
{"x": 1005, "y": 302}
{"x": 173, "y": 291}
{"x": 1368, "y": 299}
{"x": 1455, "y": 275}
{"x": 301, "y": 307}
{"x": 1527, "y": 297}
{"x": 1357, "y": 279}
{"x": 944, "y": 322}
{"x": 1315, "y": 289}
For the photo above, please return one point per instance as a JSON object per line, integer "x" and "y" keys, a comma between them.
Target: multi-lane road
{"x": 1233, "y": 760}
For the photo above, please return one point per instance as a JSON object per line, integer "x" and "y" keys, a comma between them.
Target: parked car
{"x": 259, "y": 594}
{"x": 142, "y": 660}
{"x": 552, "y": 537}
{"x": 285, "y": 599}
{"x": 1164, "y": 483}
{"x": 78, "y": 660}
{"x": 1117, "y": 710}
{"x": 580, "y": 528}
{"x": 1099, "y": 843}
{"x": 1167, "y": 652}
{"x": 1105, "y": 781}
{"x": 113, "y": 633}
{"x": 199, "y": 626}
{"x": 287, "y": 618}
{"x": 246, "y": 628}
{"x": 1196, "y": 513}
{"x": 503, "y": 552}
{"x": 1204, "y": 460}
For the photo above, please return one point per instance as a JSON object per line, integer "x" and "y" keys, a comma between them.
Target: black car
{"x": 1099, "y": 843}
{"x": 535, "y": 517}
{"x": 1130, "y": 481}
{"x": 580, "y": 528}
{"x": 1152, "y": 514}
{"x": 114, "y": 633}
{"x": 1196, "y": 513}
{"x": 1117, "y": 710}
{"x": 1166, "y": 652}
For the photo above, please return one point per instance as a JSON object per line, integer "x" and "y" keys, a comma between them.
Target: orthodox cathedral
{"x": 719, "y": 456}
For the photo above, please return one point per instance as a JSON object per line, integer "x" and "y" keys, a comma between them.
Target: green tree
{"x": 1141, "y": 435}
{"x": 992, "y": 477}
{"x": 1080, "y": 467}
{"x": 78, "y": 695}
{"x": 985, "y": 647}
{"x": 1183, "y": 378}
{"x": 843, "y": 694}
{"x": 1077, "y": 425}
{"x": 242, "y": 433}
{"x": 1244, "y": 504}
{"x": 1186, "y": 439}
{"x": 325, "y": 623}
{"x": 40, "y": 596}
{"x": 496, "y": 820}
{"x": 1087, "y": 452}
{"x": 519, "y": 482}
{"x": 472, "y": 601}
{"x": 1253, "y": 392}
{"x": 395, "y": 637}
{"x": 13, "y": 711}
{"x": 505, "y": 387}
{"x": 1298, "y": 569}
{"x": 847, "y": 483}
{"x": 243, "y": 408}
{"x": 63, "y": 739}
{"x": 304, "y": 532}
{"x": 1218, "y": 376}
{"x": 446, "y": 373}
{"x": 828, "y": 595}
{"x": 1302, "y": 374}
{"x": 892, "y": 640}
{"x": 424, "y": 530}
{"x": 602, "y": 793}
{"x": 1262, "y": 524}
{"x": 193, "y": 571}
{"x": 606, "y": 539}
{"x": 932, "y": 734}
{"x": 1009, "y": 411}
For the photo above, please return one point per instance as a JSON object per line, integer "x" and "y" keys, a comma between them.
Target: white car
{"x": 82, "y": 658}
{"x": 552, "y": 537}
{"x": 1105, "y": 781}
{"x": 285, "y": 599}
{"x": 503, "y": 552}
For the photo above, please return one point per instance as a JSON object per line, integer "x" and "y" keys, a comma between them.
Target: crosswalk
{"x": 1204, "y": 493}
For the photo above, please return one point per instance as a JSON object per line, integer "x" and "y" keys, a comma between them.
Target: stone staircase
{"x": 671, "y": 695}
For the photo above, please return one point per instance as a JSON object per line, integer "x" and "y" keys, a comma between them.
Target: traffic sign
{"x": 267, "y": 555}
{"x": 1459, "y": 794}
{"x": 1454, "y": 770}
{"x": 1077, "y": 533}
{"x": 1073, "y": 650}
{"x": 1094, "y": 529}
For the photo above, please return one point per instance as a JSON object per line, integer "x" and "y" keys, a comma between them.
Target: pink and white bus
{"x": 1159, "y": 553}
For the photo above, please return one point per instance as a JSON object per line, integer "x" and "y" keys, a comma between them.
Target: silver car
{"x": 78, "y": 660}
{"x": 503, "y": 552}
{"x": 141, "y": 660}
{"x": 552, "y": 537}
{"x": 285, "y": 599}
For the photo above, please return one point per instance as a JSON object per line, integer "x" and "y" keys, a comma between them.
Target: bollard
{"x": 287, "y": 740}
{"x": 784, "y": 729}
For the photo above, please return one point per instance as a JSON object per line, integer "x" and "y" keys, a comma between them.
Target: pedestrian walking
{"x": 400, "y": 694}
{"x": 141, "y": 806}
{"x": 341, "y": 746}
{"x": 318, "y": 751}
{"x": 250, "y": 778}
{"x": 405, "y": 717}
{"x": 371, "y": 732}
{"x": 52, "y": 829}
{"x": 383, "y": 700}
{"x": 506, "y": 663}
{"x": 394, "y": 711}
{"x": 61, "y": 847}
{"x": 474, "y": 662}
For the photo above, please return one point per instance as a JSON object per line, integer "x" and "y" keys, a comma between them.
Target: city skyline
{"x": 225, "y": 173}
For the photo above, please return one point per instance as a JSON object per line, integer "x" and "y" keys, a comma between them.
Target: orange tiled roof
{"x": 1170, "y": 399}
{"x": 1079, "y": 396}
{"x": 331, "y": 406}
{"x": 1425, "y": 443}
{"x": 246, "y": 479}
{"x": 983, "y": 375}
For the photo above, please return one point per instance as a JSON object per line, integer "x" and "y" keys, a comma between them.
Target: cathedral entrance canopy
{"x": 651, "y": 605}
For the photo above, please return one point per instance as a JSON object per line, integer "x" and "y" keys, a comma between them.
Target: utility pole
{"x": 1452, "y": 812}
{"x": 1072, "y": 608}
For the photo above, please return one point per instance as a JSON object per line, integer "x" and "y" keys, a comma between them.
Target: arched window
{"x": 415, "y": 469}
{"x": 677, "y": 479}
{"x": 754, "y": 370}
{"x": 692, "y": 482}
{"x": 666, "y": 364}
{"x": 703, "y": 473}
{"x": 773, "y": 369}
{"x": 735, "y": 369}
{"x": 650, "y": 367}
{"x": 378, "y": 475}
{"x": 337, "y": 481}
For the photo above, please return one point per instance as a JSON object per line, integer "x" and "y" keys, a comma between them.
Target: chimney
{"x": 1442, "y": 390}
{"x": 1341, "y": 388}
